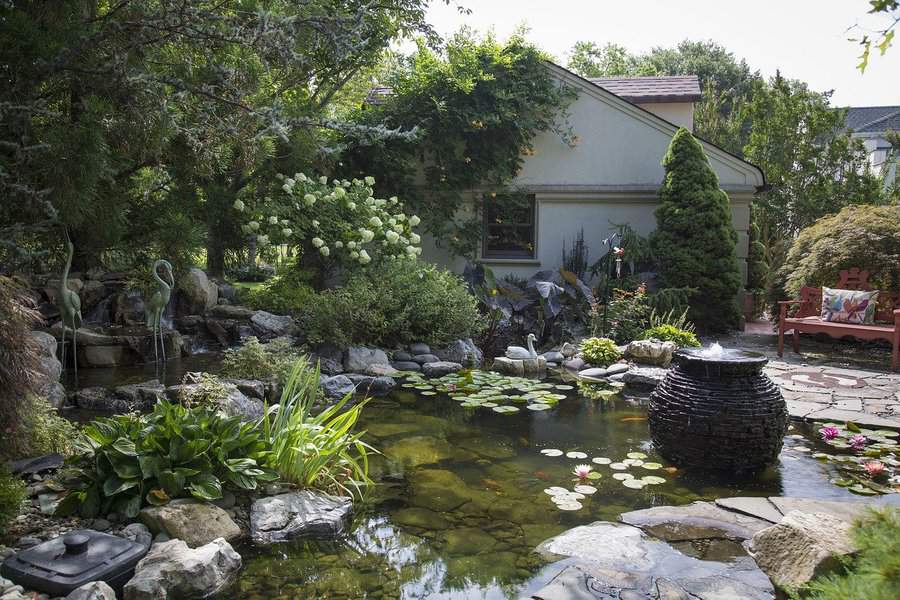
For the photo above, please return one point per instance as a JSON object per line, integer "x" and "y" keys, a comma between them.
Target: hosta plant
{"x": 128, "y": 461}
{"x": 600, "y": 351}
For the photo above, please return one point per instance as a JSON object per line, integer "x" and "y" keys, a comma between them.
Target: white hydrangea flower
{"x": 287, "y": 188}
{"x": 364, "y": 257}
{"x": 324, "y": 251}
{"x": 309, "y": 199}
{"x": 339, "y": 192}
{"x": 273, "y": 220}
{"x": 285, "y": 222}
{"x": 254, "y": 226}
{"x": 245, "y": 228}
{"x": 279, "y": 176}
{"x": 414, "y": 238}
{"x": 323, "y": 180}
{"x": 238, "y": 205}
{"x": 317, "y": 242}
{"x": 290, "y": 182}
{"x": 392, "y": 236}
{"x": 315, "y": 223}
{"x": 370, "y": 180}
{"x": 398, "y": 228}
{"x": 370, "y": 200}
{"x": 418, "y": 251}
{"x": 392, "y": 221}
{"x": 375, "y": 222}
{"x": 393, "y": 199}
{"x": 351, "y": 244}
{"x": 414, "y": 220}
{"x": 351, "y": 205}
{"x": 287, "y": 231}
{"x": 400, "y": 217}
{"x": 367, "y": 235}
{"x": 339, "y": 244}
{"x": 410, "y": 250}
{"x": 354, "y": 255}
{"x": 300, "y": 177}
{"x": 262, "y": 240}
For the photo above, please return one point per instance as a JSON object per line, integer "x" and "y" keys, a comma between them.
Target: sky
{"x": 805, "y": 39}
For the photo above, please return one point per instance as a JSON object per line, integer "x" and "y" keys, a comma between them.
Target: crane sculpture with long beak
{"x": 156, "y": 305}
{"x": 69, "y": 307}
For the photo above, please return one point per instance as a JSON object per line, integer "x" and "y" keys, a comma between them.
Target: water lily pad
{"x": 427, "y": 393}
{"x": 538, "y": 406}
{"x": 635, "y": 484}
{"x": 651, "y": 466}
{"x": 601, "y": 460}
{"x": 570, "y": 506}
{"x": 617, "y": 466}
{"x": 622, "y": 476}
{"x": 575, "y": 454}
{"x": 556, "y": 490}
{"x": 585, "y": 489}
{"x": 506, "y": 409}
{"x": 489, "y": 404}
{"x": 636, "y": 455}
{"x": 652, "y": 479}
{"x": 862, "y": 490}
{"x": 551, "y": 452}
{"x": 801, "y": 449}
{"x": 594, "y": 475}
{"x": 564, "y": 387}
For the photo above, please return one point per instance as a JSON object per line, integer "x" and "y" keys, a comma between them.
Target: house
{"x": 611, "y": 176}
{"x": 871, "y": 124}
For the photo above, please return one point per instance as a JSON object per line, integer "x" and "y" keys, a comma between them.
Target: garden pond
{"x": 475, "y": 471}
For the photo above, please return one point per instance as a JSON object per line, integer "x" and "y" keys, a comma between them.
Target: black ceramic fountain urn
{"x": 718, "y": 412}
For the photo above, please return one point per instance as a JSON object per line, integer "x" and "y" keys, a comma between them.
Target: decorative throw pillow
{"x": 849, "y": 306}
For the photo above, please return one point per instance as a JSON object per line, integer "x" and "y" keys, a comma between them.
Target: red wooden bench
{"x": 808, "y": 320}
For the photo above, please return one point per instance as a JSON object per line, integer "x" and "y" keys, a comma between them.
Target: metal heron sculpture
{"x": 69, "y": 307}
{"x": 156, "y": 305}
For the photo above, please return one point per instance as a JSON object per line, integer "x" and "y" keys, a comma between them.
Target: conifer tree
{"x": 695, "y": 239}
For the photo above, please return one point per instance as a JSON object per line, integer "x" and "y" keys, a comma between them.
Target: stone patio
{"x": 830, "y": 380}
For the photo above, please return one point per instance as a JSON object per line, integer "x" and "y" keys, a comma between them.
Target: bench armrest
{"x": 785, "y": 303}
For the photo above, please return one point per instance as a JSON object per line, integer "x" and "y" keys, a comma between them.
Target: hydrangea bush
{"x": 341, "y": 220}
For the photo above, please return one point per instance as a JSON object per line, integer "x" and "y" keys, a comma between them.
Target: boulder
{"x": 554, "y": 357}
{"x": 272, "y": 325}
{"x": 464, "y": 352}
{"x": 440, "y": 368}
{"x": 101, "y": 398}
{"x": 614, "y": 560}
{"x": 381, "y": 371}
{"x": 697, "y": 521}
{"x": 651, "y": 352}
{"x": 426, "y": 358}
{"x": 616, "y": 368}
{"x": 236, "y": 404}
{"x": 137, "y": 532}
{"x": 46, "y": 343}
{"x": 337, "y": 386}
{"x": 801, "y": 546}
{"x": 358, "y": 358}
{"x": 574, "y": 364}
{"x": 401, "y": 356}
{"x": 199, "y": 292}
{"x": 232, "y": 311}
{"x": 220, "y": 330}
{"x": 419, "y": 348}
{"x": 197, "y": 523}
{"x": 95, "y": 590}
{"x": 306, "y": 513}
{"x": 592, "y": 373}
{"x": 568, "y": 350}
{"x": 366, "y": 384}
{"x": 406, "y": 365}
{"x": 172, "y": 571}
{"x": 508, "y": 366}
{"x": 252, "y": 388}
{"x": 644, "y": 376}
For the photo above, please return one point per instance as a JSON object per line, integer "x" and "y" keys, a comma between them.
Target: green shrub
{"x": 209, "y": 391}
{"x": 401, "y": 303}
{"x": 670, "y": 333}
{"x": 322, "y": 450}
{"x": 861, "y": 236}
{"x": 695, "y": 239}
{"x": 12, "y": 494}
{"x": 288, "y": 292}
{"x": 45, "y": 431}
{"x": 255, "y": 360}
{"x": 600, "y": 351}
{"x": 125, "y": 462}
{"x": 626, "y": 317}
{"x": 874, "y": 574}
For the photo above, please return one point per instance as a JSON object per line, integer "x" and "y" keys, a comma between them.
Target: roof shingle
{"x": 872, "y": 119}
{"x": 673, "y": 88}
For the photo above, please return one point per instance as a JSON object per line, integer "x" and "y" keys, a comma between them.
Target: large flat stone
{"x": 847, "y": 511}
{"x": 196, "y": 523}
{"x": 173, "y": 571}
{"x": 306, "y": 513}
{"x": 760, "y": 508}
{"x": 860, "y": 418}
{"x": 700, "y": 520}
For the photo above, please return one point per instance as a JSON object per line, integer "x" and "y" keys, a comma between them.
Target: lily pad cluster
{"x": 866, "y": 459}
{"x": 585, "y": 474}
{"x": 502, "y": 394}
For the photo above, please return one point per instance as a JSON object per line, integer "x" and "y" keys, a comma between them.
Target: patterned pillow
{"x": 849, "y": 306}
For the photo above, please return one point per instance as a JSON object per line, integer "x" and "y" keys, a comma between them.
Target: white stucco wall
{"x": 611, "y": 176}
{"x": 679, "y": 113}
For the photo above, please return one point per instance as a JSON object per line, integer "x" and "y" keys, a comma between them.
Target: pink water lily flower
{"x": 829, "y": 433}
{"x": 858, "y": 441}
{"x": 582, "y": 471}
{"x": 874, "y": 468}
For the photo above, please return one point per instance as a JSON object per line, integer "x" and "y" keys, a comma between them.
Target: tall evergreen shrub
{"x": 695, "y": 239}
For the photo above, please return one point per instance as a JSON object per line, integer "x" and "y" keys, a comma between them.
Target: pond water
{"x": 460, "y": 500}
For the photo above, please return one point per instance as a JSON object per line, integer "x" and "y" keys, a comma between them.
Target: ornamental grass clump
{"x": 316, "y": 450}
{"x": 600, "y": 351}
{"x": 670, "y": 333}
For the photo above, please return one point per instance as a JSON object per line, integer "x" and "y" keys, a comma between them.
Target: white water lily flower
{"x": 309, "y": 199}
{"x": 239, "y": 205}
{"x": 414, "y": 238}
{"x": 375, "y": 222}
{"x": 287, "y": 231}
{"x": 317, "y": 242}
{"x": 273, "y": 220}
{"x": 339, "y": 244}
{"x": 253, "y": 225}
{"x": 414, "y": 220}
{"x": 370, "y": 180}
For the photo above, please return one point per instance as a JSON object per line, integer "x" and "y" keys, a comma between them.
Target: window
{"x": 509, "y": 226}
